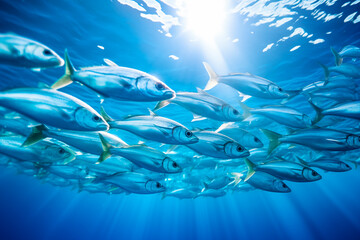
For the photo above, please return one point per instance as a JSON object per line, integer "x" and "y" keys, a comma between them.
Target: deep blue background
{"x": 29, "y": 209}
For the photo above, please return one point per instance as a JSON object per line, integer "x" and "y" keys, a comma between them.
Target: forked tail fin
{"x": 213, "y": 77}
{"x": 66, "y": 78}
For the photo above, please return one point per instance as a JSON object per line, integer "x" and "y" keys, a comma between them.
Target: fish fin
{"x": 273, "y": 139}
{"x": 243, "y": 97}
{"x": 301, "y": 161}
{"x": 251, "y": 170}
{"x": 213, "y": 77}
{"x": 163, "y": 196}
{"x": 246, "y": 110}
{"x": 338, "y": 59}
{"x": 171, "y": 148}
{"x": 106, "y": 149}
{"x": 327, "y": 73}
{"x": 36, "y": 69}
{"x": 161, "y": 104}
{"x": 237, "y": 176}
{"x": 106, "y": 117}
{"x": 318, "y": 111}
{"x": 151, "y": 112}
{"x": 197, "y": 118}
{"x": 66, "y": 78}
{"x": 110, "y": 63}
{"x": 223, "y": 126}
{"x": 35, "y": 136}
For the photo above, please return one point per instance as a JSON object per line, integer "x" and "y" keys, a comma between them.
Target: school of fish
{"x": 61, "y": 140}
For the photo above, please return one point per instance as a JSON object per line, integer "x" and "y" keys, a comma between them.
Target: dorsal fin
{"x": 110, "y": 63}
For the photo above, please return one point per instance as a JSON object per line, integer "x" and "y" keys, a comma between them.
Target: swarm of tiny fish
{"x": 63, "y": 141}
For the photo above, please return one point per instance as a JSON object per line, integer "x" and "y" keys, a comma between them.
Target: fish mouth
{"x": 245, "y": 154}
{"x": 194, "y": 139}
{"x": 61, "y": 61}
{"x": 169, "y": 94}
{"x": 103, "y": 127}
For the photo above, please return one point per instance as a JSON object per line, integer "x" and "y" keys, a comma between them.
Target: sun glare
{"x": 205, "y": 18}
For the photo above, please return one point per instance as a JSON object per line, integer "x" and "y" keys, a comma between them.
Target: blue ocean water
{"x": 94, "y": 30}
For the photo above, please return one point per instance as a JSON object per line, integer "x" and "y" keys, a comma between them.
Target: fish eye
{"x": 346, "y": 165}
{"x": 256, "y": 140}
{"x": 47, "y": 52}
{"x": 188, "y": 133}
{"x": 175, "y": 165}
{"x": 96, "y": 118}
{"x": 314, "y": 173}
{"x": 61, "y": 151}
{"x": 280, "y": 89}
{"x": 235, "y": 112}
{"x": 158, "y": 185}
{"x": 159, "y": 86}
{"x": 239, "y": 148}
{"x": 284, "y": 185}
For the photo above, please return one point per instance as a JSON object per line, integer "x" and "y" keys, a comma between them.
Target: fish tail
{"x": 237, "y": 177}
{"x": 338, "y": 58}
{"x": 161, "y": 104}
{"x": 213, "y": 77}
{"x": 319, "y": 114}
{"x": 246, "y": 110}
{"x": 250, "y": 165}
{"x": 327, "y": 73}
{"x": 66, "y": 78}
{"x": 273, "y": 139}
{"x": 106, "y": 149}
{"x": 35, "y": 136}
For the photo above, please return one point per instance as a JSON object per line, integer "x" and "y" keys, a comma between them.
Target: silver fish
{"x": 332, "y": 83}
{"x": 347, "y": 52}
{"x": 338, "y": 94}
{"x": 45, "y": 151}
{"x": 88, "y": 142}
{"x": 285, "y": 170}
{"x": 135, "y": 183}
{"x": 218, "y": 145}
{"x": 267, "y": 182}
{"x": 247, "y": 84}
{"x": 346, "y": 69}
{"x": 281, "y": 114}
{"x": 116, "y": 82}
{"x": 141, "y": 155}
{"x": 53, "y": 108}
{"x": 243, "y": 137}
{"x": 316, "y": 138}
{"x": 24, "y": 52}
{"x": 203, "y": 105}
{"x": 328, "y": 164}
{"x": 348, "y": 110}
{"x": 181, "y": 193}
{"x": 212, "y": 193}
{"x": 70, "y": 172}
{"x": 154, "y": 128}
{"x": 111, "y": 166}
{"x": 218, "y": 182}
